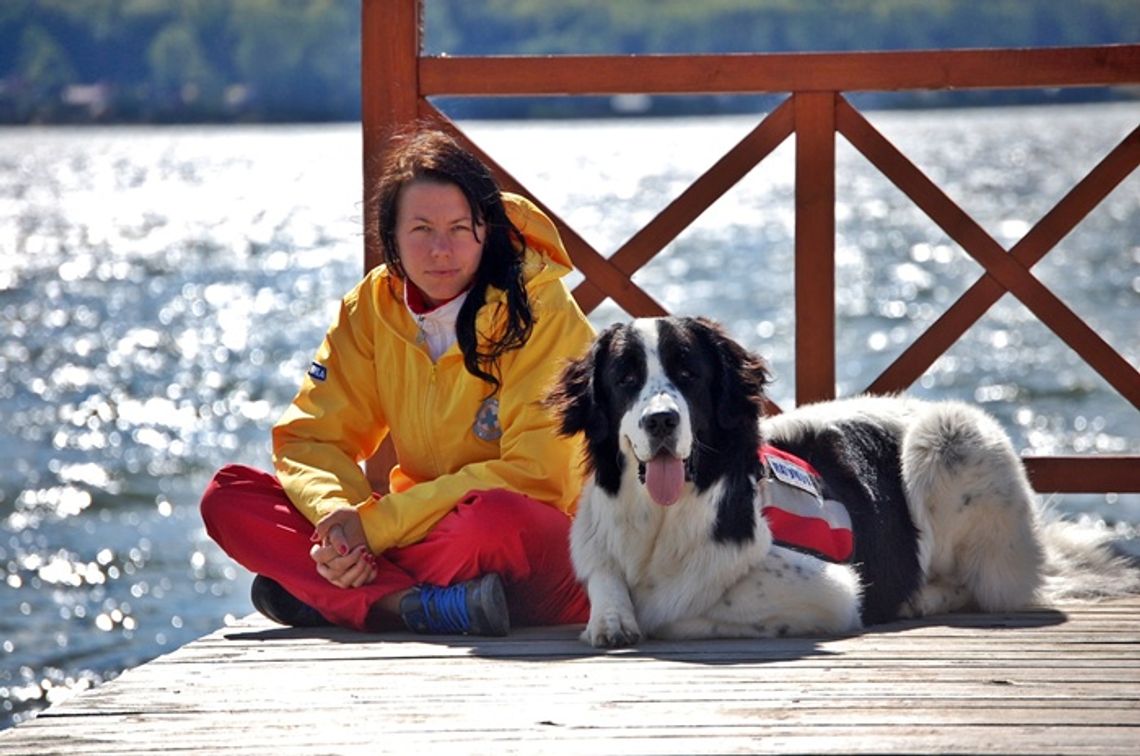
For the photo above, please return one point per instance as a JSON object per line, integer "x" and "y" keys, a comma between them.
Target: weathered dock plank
{"x": 1049, "y": 681}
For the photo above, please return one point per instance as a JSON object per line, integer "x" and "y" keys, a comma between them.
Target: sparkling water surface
{"x": 162, "y": 291}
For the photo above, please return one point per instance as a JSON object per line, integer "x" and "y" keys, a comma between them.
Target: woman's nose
{"x": 440, "y": 244}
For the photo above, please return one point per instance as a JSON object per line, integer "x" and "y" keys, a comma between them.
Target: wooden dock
{"x": 1049, "y": 681}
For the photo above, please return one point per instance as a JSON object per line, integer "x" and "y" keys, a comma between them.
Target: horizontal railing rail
{"x": 503, "y": 76}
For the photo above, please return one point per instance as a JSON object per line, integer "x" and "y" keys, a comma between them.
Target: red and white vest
{"x": 799, "y": 516}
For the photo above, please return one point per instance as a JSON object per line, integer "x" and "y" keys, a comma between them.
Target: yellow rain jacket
{"x": 370, "y": 378}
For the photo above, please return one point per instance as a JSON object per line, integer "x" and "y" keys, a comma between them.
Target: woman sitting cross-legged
{"x": 448, "y": 348}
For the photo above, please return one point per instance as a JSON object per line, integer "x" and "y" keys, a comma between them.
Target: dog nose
{"x": 660, "y": 422}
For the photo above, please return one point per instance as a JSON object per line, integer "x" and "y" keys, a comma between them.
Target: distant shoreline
{"x": 287, "y": 61}
{"x": 616, "y": 107}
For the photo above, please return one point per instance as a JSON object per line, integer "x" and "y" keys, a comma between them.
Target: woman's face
{"x": 439, "y": 243}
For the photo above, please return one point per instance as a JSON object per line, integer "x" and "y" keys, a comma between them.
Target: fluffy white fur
{"x": 986, "y": 554}
{"x": 651, "y": 570}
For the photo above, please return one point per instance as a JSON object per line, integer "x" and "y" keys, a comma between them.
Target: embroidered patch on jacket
{"x": 486, "y": 424}
{"x": 318, "y": 372}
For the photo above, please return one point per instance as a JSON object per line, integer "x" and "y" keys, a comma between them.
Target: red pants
{"x": 248, "y": 514}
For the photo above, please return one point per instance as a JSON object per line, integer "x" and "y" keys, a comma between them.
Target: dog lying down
{"x": 703, "y": 519}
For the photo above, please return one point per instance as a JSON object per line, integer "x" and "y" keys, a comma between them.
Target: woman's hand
{"x": 341, "y": 550}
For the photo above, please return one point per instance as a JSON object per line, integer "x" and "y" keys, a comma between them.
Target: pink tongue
{"x": 665, "y": 477}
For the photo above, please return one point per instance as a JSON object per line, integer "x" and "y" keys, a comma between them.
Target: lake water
{"x": 162, "y": 291}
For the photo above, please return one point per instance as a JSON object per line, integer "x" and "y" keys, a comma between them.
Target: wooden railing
{"x": 397, "y": 82}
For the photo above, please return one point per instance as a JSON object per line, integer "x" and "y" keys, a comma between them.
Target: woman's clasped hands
{"x": 341, "y": 551}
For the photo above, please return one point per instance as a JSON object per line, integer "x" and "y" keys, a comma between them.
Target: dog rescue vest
{"x": 797, "y": 512}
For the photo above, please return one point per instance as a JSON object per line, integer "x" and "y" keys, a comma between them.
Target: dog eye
{"x": 685, "y": 375}
{"x": 627, "y": 380}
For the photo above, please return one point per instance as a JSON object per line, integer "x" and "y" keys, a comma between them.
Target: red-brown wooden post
{"x": 389, "y": 96}
{"x": 815, "y": 246}
{"x": 389, "y": 90}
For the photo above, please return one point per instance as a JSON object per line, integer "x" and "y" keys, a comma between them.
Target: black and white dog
{"x": 692, "y": 523}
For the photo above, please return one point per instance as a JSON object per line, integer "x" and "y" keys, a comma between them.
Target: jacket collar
{"x": 435, "y": 328}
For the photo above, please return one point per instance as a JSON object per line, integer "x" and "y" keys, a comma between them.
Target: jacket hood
{"x": 546, "y": 258}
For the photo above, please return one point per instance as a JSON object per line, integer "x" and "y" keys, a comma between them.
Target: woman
{"x": 447, "y": 348}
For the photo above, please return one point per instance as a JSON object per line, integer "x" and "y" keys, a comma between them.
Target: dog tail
{"x": 1086, "y": 560}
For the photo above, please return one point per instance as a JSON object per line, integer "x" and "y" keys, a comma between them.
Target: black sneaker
{"x": 282, "y": 607}
{"x": 477, "y": 607}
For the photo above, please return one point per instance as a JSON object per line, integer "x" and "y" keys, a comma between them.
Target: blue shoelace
{"x": 445, "y": 609}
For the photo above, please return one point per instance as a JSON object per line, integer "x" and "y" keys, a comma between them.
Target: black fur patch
{"x": 861, "y": 466}
{"x": 723, "y": 385}
{"x": 594, "y": 392}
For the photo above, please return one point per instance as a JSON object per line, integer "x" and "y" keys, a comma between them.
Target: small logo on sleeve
{"x": 318, "y": 372}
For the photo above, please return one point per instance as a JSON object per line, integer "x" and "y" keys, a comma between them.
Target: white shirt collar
{"x": 435, "y": 329}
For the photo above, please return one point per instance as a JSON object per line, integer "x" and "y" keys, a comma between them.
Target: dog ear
{"x": 573, "y": 398}
{"x": 741, "y": 376}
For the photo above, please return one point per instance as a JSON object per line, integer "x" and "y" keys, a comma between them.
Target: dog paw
{"x": 936, "y": 597}
{"x": 611, "y": 629}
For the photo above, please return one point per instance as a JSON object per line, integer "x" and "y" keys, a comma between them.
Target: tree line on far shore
{"x": 116, "y": 61}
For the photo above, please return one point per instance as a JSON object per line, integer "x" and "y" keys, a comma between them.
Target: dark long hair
{"x": 432, "y": 155}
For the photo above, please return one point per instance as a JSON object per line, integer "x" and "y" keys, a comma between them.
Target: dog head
{"x": 675, "y": 396}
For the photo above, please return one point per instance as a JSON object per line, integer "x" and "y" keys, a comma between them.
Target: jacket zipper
{"x": 426, "y": 417}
